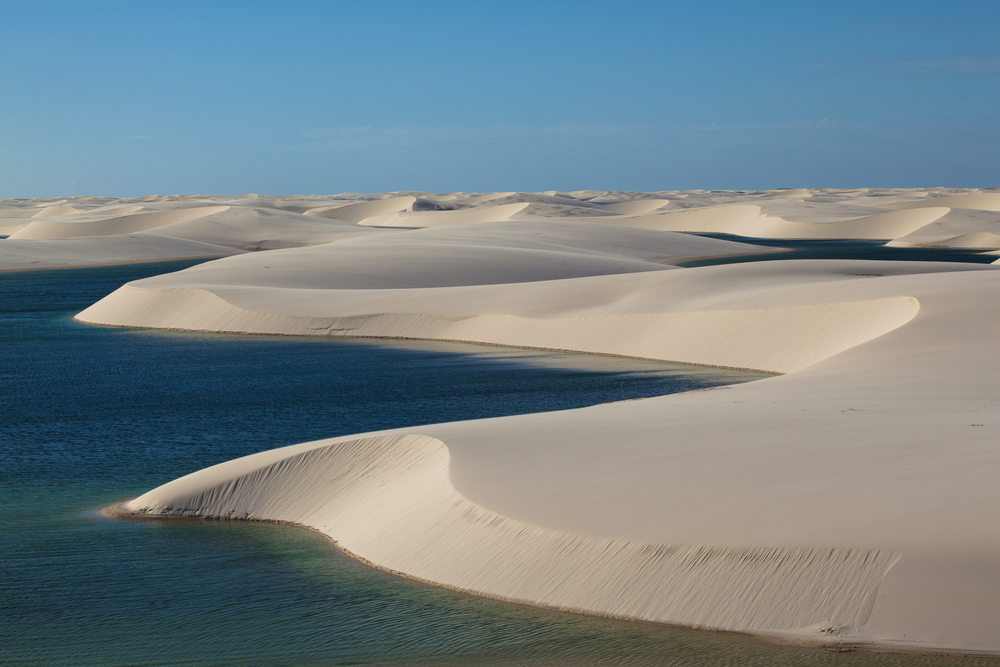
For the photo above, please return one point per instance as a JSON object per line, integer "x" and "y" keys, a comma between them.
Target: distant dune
{"x": 851, "y": 499}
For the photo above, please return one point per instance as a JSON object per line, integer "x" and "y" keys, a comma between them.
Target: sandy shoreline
{"x": 449, "y": 340}
{"x": 830, "y": 643}
{"x": 848, "y": 500}
{"x": 95, "y": 266}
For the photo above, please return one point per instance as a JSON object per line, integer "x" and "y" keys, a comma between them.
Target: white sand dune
{"x": 18, "y": 255}
{"x": 112, "y": 210}
{"x": 794, "y": 193}
{"x": 78, "y": 226}
{"x": 874, "y": 227}
{"x": 482, "y": 199}
{"x": 56, "y": 211}
{"x": 362, "y": 210}
{"x": 10, "y": 226}
{"x": 445, "y": 218}
{"x": 708, "y": 219}
{"x": 255, "y": 222}
{"x": 550, "y": 204}
{"x": 851, "y": 500}
{"x": 956, "y": 224}
{"x": 635, "y": 206}
{"x": 747, "y": 220}
{"x": 983, "y": 240}
{"x": 13, "y": 219}
{"x": 983, "y": 201}
{"x": 127, "y": 233}
{"x": 394, "y": 506}
{"x": 735, "y": 480}
{"x": 260, "y": 228}
{"x": 472, "y": 254}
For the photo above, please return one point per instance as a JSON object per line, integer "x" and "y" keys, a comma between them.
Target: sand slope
{"x": 747, "y": 220}
{"x": 445, "y": 218}
{"x": 363, "y": 210}
{"x": 110, "y": 234}
{"x": 123, "y": 249}
{"x": 958, "y": 228}
{"x": 481, "y": 253}
{"x": 104, "y": 225}
{"x": 983, "y": 201}
{"x": 394, "y": 505}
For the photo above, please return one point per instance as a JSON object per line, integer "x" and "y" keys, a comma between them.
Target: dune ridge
{"x": 749, "y": 221}
{"x": 78, "y": 226}
{"x": 361, "y": 211}
{"x": 984, "y": 201}
{"x": 928, "y": 217}
{"x": 859, "y": 342}
{"x": 763, "y": 339}
{"x": 24, "y": 255}
{"x": 443, "y": 218}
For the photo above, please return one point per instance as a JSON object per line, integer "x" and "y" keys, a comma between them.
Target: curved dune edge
{"x": 357, "y": 212}
{"x": 983, "y": 201}
{"x": 388, "y": 500}
{"x": 444, "y": 218}
{"x": 749, "y": 221}
{"x": 862, "y": 377}
{"x": 112, "y": 226}
{"x": 777, "y": 340}
{"x": 978, "y": 240}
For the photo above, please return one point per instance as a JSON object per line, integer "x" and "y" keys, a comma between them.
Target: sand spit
{"x": 852, "y": 499}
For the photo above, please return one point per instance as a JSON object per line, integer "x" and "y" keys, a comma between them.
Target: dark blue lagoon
{"x": 93, "y": 415}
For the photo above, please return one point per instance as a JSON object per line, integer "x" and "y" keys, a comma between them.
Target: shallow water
{"x": 838, "y": 249}
{"x": 91, "y": 415}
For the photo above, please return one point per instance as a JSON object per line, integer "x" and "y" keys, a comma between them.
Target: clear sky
{"x": 141, "y": 97}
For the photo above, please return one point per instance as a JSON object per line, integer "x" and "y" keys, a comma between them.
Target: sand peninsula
{"x": 852, "y": 499}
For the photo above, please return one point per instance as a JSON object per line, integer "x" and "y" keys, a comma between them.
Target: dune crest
{"x": 709, "y": 220}
{"x": 444, "y": 218}
{"x": 983, "y": 201}
{"x": 748, "y": 220}
{"x": 358, "y": 212}
{"x": 259, "y": 222}
{"x": 777, "y": 340}
{"x": 78, "y": 226}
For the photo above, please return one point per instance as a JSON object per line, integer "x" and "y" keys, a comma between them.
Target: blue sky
{"x": 137, "y": 98}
